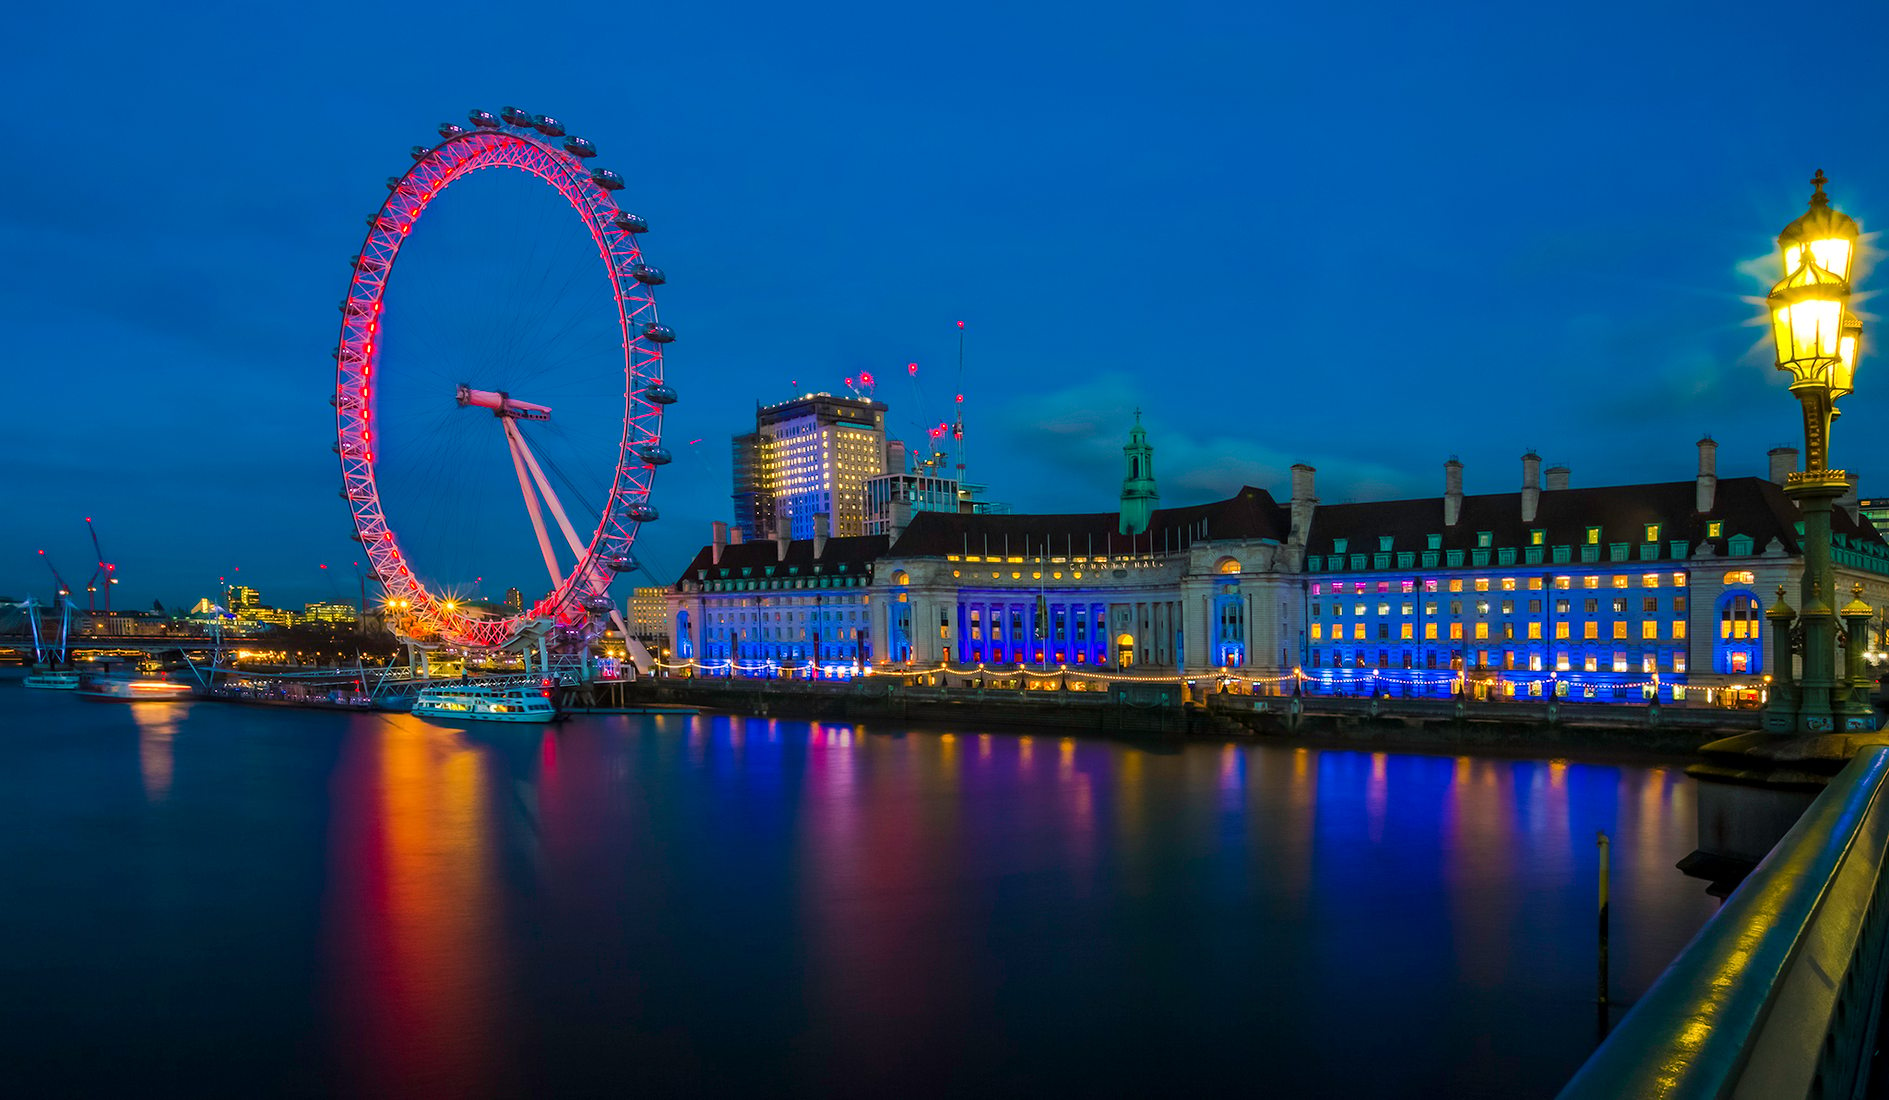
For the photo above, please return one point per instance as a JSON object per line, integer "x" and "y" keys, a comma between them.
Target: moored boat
{"x": 52, "y": 679}
{"x": 509, "y": 700}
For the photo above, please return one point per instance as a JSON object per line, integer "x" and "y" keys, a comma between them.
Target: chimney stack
{"x": 1452, "y": 492}
{"x": 822, "y": 527}
{"x": 900, "y": 519}
{"x": 1531, "y": 486}
{"x": 1783, "y": 463}
{"x": 783, "y": 538}
{"x": 1708, "y": 474}
{"x": 717, "y": 541}
{"x": 1304, "y": 501}
{"x": 1849, "y": 502}
{"x": 1557, "y": 478}
{"x": 734, "y": 536}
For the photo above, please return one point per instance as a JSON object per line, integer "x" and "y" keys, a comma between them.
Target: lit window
{"x": 1485, "y": 538}
{"x": 1590, "y": 631}
{"x": 1649, "y": 631}
{"x": 1620, "y": 660}
{"x": 1537, "y": 537}
{"x": 1590, "y": 582}
{"x": 1482, "y": 584}
{"x": 1593, "y": 536}
{"x": 1740, "y": 576}
{"x": 1679, "y": 630}
{"x": 1650, "y": 580}
{"x": 1318, "y": 631}
{"x": 1409, "y": 631}
{"x": 1429, "y": 631}
{"x": 1561, "y": 630}
{"x": 1652, "y": 532}
{"x": 1456, "y": 585}
{"x": 1679, "y": 580}
{"x": 1620, "y": 630}
{"x": 1534, "y": 630}
{"x": 1564, "y": 583}
{"x": 1508, "y": 584}
{"x": 1620, "y": 580}
{"x": 1482, "y": 630}
{"x": 1714, "y": 529}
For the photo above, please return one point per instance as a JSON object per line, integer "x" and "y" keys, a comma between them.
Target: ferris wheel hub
{"x": 501, "y": 404}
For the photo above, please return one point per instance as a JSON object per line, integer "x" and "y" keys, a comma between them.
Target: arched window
{"x": 900, "y": 576}
{"x": 1740, "y": 576}
{"x": 1228, "y": 565}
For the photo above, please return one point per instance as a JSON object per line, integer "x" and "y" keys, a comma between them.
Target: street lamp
{"x": 1818, "y": 341}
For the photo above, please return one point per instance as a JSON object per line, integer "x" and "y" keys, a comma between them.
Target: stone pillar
{"x": 1856, "y": 712}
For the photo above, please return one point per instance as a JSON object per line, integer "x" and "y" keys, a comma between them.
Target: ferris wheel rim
{"x": 434, "y": 170}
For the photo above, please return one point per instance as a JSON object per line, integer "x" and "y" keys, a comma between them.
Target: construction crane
{"x": 62, "y": 591}
{"x": 105, "y": 569}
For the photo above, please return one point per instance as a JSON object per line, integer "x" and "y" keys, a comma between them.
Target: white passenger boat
{"x": 53, "y": 680}
{"x": 488, "y": 701}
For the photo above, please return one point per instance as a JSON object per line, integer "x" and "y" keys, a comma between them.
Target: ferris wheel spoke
{"x": 531, "y": 504}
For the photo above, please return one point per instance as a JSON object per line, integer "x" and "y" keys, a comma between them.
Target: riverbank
{"x": 1142, "y": 709}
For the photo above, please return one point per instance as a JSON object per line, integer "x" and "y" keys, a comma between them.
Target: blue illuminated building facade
{"x": 1608, "y": 594}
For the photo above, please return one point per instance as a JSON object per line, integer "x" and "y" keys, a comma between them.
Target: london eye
{"x": 499, "y": 405}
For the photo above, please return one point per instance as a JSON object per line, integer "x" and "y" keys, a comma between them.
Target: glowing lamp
{"x": 1829, "y": 235}
{"x": 1807, "y": 322}
{"x": 1849, "y": 346}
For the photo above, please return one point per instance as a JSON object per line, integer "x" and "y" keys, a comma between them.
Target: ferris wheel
{"x": 530, "y": 381}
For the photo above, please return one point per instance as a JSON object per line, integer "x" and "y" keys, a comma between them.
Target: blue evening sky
{"x": 1364, "y": 236}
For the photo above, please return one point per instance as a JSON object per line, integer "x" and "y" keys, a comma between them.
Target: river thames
{"x": 209, "y": 899}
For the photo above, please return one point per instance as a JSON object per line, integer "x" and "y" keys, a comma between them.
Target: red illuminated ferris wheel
{"x": 582, "y": 548}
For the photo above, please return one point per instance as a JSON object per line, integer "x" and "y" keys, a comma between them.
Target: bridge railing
{"x": 1780, "y": 994}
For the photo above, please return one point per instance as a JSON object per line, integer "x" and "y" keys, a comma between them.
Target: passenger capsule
{"x": 450, "y": 129}
{"x": 419, "y": 152}
{"x": 393, "y": 183}
{"x": 548, "y": 126}
{"x": 484, "y": 120}
{"x": 641, "y": 513}
{"x": 617, "y": 563}
{"x": 631, "y": 223}
{"x": 652, "y": 454}
{"x": 579, "y": 147}
{"x": 598, "y": 602}
{"x": 647, "y": 275}
{"x": 607, "y": 179}
{"x": 659, "y": 393}
{"x": 515, "y": 116}
{"x": 661, "y": 334}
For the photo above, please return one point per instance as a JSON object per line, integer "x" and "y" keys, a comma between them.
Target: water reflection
{"x": 713, "y": 905}
{"x": 157, "y": 724}
{"x": 414, "y": 914}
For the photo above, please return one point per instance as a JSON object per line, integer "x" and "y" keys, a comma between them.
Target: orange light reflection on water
{"x": 413, "y": 911}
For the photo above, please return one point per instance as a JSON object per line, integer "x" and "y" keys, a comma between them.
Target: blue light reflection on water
{"x": 217, "y": 899}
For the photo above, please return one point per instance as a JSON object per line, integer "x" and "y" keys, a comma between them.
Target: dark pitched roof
{"x": 855, "y": 552}
{"x": 1251, "y": 514}
{"x": 1749, "y": 506}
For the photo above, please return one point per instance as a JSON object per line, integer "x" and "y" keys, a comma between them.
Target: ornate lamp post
{"x": 1818, "y": 341}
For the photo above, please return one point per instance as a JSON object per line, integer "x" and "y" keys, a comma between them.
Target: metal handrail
{"x": 1777, "y": 995}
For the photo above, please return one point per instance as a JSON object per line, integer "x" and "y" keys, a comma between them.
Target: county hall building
{"x": 1611, "y": 593}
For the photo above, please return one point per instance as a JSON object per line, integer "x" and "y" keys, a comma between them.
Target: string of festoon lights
{"x": 1298, "y": 676}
